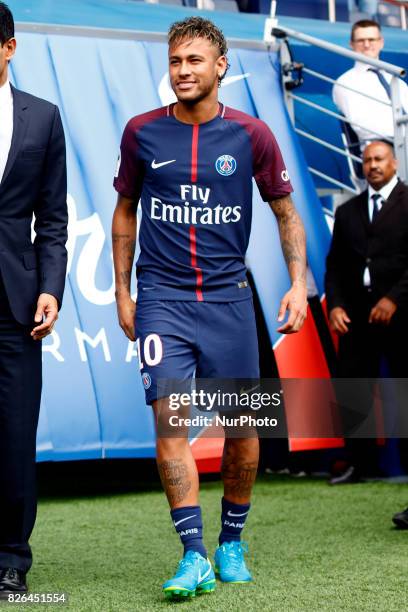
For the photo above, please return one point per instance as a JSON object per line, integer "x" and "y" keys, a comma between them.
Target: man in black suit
{"x": 32, "y": 276}
{"x": 367, "y": 278}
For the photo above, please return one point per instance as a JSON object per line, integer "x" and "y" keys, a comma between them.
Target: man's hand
{"x": 295, "y": 301}
{"x": 338, "y": 320}
{"x": 47, "y": 306}
{"x": 382, "y": 312}
{"x": 126, "y": 314}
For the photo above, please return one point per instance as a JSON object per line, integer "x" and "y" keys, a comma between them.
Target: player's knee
{"x": 174, "y": 446}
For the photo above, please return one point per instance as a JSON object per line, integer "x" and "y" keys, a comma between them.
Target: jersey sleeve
{"x": 269, "y": 168}
{"x": 129, "y": 174}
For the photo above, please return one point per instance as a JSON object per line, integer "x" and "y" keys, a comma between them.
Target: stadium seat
{"x": 173, "y": 2}
{"x": 311, "y": 9}
{"x": 216, "y": 5}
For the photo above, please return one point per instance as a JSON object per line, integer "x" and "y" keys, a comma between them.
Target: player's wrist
{"x": 299, "y": 282}
{"x": 122, "y": 295}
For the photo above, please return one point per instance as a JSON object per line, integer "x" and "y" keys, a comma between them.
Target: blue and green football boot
{"x": 194, "y": 576}
{"x": 230, "y": 563}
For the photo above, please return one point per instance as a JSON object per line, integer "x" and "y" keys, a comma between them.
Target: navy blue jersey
{"x": 195, "y": 185}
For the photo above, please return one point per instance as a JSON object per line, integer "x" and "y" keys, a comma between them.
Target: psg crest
{"x": 226, "y": 165}
{"x": 147, "y": 381}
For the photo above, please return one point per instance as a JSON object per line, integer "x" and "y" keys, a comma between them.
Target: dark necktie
{"x": 375, "y": 198}
{"x": 382, "y": 80}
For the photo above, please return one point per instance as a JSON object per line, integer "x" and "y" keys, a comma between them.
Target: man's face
{"x": 194, "y": 68}
{"x": 379, "y": 164}
{"x": 6, "y": 53}
{"x": 367, "y": 41}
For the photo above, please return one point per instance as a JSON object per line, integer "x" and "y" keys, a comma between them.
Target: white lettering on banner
{"x": 52, "y": 344}
{"x": 100, "y": 338}
{"x": 131, "y": 351}
{"x": 89, "y": 256}
{"x": 53, "y": 348}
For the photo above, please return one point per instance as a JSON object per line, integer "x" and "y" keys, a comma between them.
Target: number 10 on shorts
{"x": 152, "y": 350}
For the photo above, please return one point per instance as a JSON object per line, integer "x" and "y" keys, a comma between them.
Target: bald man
{"x": 367, "y": 277}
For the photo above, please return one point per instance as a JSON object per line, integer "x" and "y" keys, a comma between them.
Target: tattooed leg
{"x": 176, "y": 465}
{"x": 239, "y": 467}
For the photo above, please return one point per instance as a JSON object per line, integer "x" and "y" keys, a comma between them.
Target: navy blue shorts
{"x": 179, "y": 340}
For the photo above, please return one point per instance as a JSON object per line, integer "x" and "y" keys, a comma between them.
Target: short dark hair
{"x": 6, "y": 24}
{"x": 364, "y": 23}
{"x": 383, "y": 141}
{"x": 197, "y": 27}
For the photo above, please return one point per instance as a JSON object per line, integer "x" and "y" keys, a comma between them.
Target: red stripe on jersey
{"x": 193, "y": 244}
{"x": 194, "y": 153}
{"x": 199, "y": 274}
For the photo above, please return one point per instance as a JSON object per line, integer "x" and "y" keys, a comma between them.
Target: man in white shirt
{"x": 6, "y": 124}
{"x": 371, "y": 119}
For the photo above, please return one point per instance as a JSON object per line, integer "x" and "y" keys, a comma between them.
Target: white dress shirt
{"x": 385, "y": 193}
{"x": 374, "y": 117}
{"x": 6, "y": 124}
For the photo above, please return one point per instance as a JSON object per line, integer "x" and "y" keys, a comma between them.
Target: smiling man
{"x": 371, "y": 118}
{"x": 192, "y": 164}
{"x": 367, "y": 281}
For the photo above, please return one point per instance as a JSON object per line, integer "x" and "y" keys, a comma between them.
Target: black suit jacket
{"x": 34, "y": 181}
{"x": 381, "y": 245}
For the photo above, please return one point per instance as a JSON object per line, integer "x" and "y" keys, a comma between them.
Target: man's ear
{"x": 10, "y": 45}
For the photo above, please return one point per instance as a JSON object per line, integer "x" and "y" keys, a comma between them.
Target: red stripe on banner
{"x": 199, "y": 274}
{"x": 194, "y": 153}
{"x": 301, "y": 356}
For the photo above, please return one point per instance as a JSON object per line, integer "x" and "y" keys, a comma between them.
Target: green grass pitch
{"x": 312, "y": 548}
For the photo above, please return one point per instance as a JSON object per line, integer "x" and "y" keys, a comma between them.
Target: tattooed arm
{"x": 292, "y": 237}
{"x": 123, "y": 243}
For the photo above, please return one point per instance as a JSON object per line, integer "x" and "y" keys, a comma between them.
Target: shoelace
{"x": 185, "y": 563}
{"x": 233, "y": 553}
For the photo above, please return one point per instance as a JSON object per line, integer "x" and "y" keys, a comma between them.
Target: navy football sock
{"x": 233, "y": 517}
{"x": 189, "y": 526}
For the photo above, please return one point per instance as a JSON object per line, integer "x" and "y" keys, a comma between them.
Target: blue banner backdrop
{"x": 93, "y": 401}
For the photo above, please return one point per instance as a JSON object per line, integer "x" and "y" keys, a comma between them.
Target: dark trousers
{"x": 366, "y": 352}
{"x": 20, "y": 394}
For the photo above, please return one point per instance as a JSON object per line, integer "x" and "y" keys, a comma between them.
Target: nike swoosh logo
{"x": 233, "y": 514}
{"x": 156, "y": 165}
{"x": 184, "y": 519}
{"x": 204, "y": 576}
{"x": 243, "y": 390}
{"x": 233, "y": 79}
